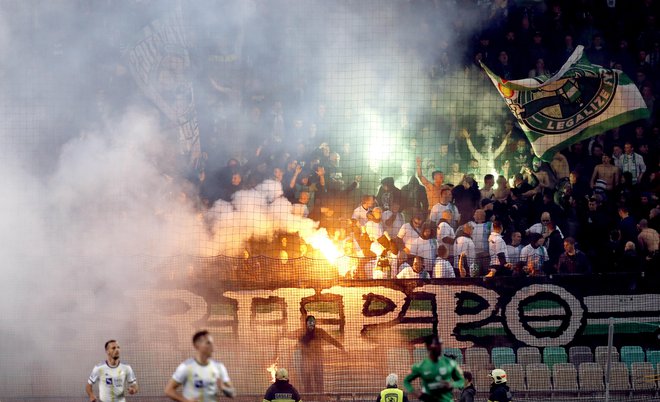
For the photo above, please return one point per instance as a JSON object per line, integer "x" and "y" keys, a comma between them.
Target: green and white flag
{"x": 581, "y": 100}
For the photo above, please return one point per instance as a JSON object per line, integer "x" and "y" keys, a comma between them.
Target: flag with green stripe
{"x": 579, "y": 101}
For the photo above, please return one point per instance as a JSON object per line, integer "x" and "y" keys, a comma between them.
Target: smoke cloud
{"x": 91, "y": 152}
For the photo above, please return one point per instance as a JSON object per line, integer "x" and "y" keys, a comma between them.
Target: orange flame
{"x": 272, "y": 369}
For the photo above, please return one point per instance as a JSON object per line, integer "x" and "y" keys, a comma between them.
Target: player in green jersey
{"x": 438, "y": 374}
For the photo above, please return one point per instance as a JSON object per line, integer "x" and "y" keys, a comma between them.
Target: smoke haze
{"x": 92, "y": 154}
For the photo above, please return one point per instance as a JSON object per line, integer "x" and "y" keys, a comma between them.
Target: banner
{"x": 160, "y": 64}
{"x": 581, "y": 100}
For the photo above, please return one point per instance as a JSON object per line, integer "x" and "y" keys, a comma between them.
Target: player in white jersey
{"x": 114, "y": 378}
{"x": 202, "y": 377}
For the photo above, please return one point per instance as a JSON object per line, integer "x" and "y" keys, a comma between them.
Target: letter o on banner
{"x": 543, "y": 315}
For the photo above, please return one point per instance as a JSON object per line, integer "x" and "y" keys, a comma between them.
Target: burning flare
{"x": 272, "y": 369}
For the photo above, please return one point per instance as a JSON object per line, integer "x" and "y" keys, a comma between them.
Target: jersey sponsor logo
{"x": 199, "y": 383}
{"x": 108, "y": 380}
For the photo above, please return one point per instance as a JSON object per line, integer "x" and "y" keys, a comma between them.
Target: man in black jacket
{"x": 281, "y": 390}
{"x": 499, "y": 391}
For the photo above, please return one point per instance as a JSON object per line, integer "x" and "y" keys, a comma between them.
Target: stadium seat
{"x": 564, "y": 379}
{"x": 601, "y": 355}
{"x": 553, "y": 355}
{"x": 515, "y": 376}
{"x": 580, "y": 354}
{"x": 653, "y": 357}
{"x": 502, "y": 355}
{"x": 591, "y": 378}
{"x": 619, "y": 378}
{"x": 632, "y": 354}
{"x": 643, "y": 378}
{"x": 478, "y": 358}
{"x": 454, "y": 353}
{"x": 528, "y": 355}
{"x": 538, "y": 379}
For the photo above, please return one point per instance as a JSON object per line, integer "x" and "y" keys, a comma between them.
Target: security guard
{"x": 392, "y": 393}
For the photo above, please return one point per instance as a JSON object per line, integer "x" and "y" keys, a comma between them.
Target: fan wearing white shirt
{"x": 426, "y": 246}
{"x": 480, "y": 231}
{"x": 410, "y": 231}
{"x": 513, "y": 249}
{"x": 360, "y": 213}
{"x": 445, "y": 203}
{"x": 464, "y": 249}
{"x": 113, "y": 377}
{"x": 446, "y": 234}
{"x": 415, "y": 272}
{"x": 443, "y": 268}
{"x": 202, "y": 378}
{"x": 534, "y": 255}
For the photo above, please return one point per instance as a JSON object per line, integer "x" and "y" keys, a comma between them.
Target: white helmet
{"x": 499, "y": 376}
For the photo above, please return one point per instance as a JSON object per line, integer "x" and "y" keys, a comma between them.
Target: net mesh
{"x": 241, "y": 166}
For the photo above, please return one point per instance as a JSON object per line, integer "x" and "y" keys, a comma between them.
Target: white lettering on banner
{"x": 353, "y": 302}
{"x": 150, "y": 305}
{"x": 570, "y": 316}
{"x": 445, "y": 297}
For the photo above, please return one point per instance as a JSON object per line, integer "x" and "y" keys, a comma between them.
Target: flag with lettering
{"x": 579, "y": 101}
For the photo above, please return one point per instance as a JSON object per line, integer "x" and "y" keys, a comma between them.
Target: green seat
{"x": 553, "y": 355}
{"x": 632, "y": 354}
{"x": 502, "y": 355}
{"x": 454, "y": 353}
{"x": 653, "y": 357}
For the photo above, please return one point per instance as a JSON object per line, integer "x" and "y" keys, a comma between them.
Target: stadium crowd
{"x": 593, "y": 208}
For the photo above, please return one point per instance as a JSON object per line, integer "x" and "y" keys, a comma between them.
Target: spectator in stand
{"x": 360, "y": 212}
{"x": 539, "y": 69}
{"x": 443, "y": 268}
{"x": 388, "y": 194}
{"x": 521, "y": 188}
{"x": 554, "y": 243}
{"x": 393, "y": 219}
{"x": 559, "y": 165}
{"x": 446, "y": 234}
{"x": 414, "y": 196}
{"x": 445, "y": 204}
{"x": 464, "y": 251}
{"x": 466, "y": 197}
{"x": 502, "y": 192}
{"x": 300, "y": 206}
{"x": 534, "y": 256}
{"x": 433, "y": 190}
{"x": 647, "y": 240}
{"x": 542, "y": 228}
{"x": 415, "y": 272}
{"x": 607, "y": 172}
{"x": 573, "y": 261}
{"x": 596, "y": 53}
{"x": 594, "y": 229}
{"x": 455, "y": 176}
{"x": 627, "y": 225}
{"x": 487, "y": 191}
{"x": 426, "y": 245}
{"x": 497, "y": 250}
{"x": 480, "y": 231}
{"x": 411, "y": 230}
{"x": 374, "y": 225}
{"x": 514, "y": 248}
{"x": 630, "y": 261}
{"x": 632, "y": 162}
{"x": 293, "y": 170}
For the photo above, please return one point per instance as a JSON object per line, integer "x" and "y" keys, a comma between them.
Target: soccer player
{"x": 201, "y": 377}
{"x": 113, "y": 376}
{"x": 439, "y": 374}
